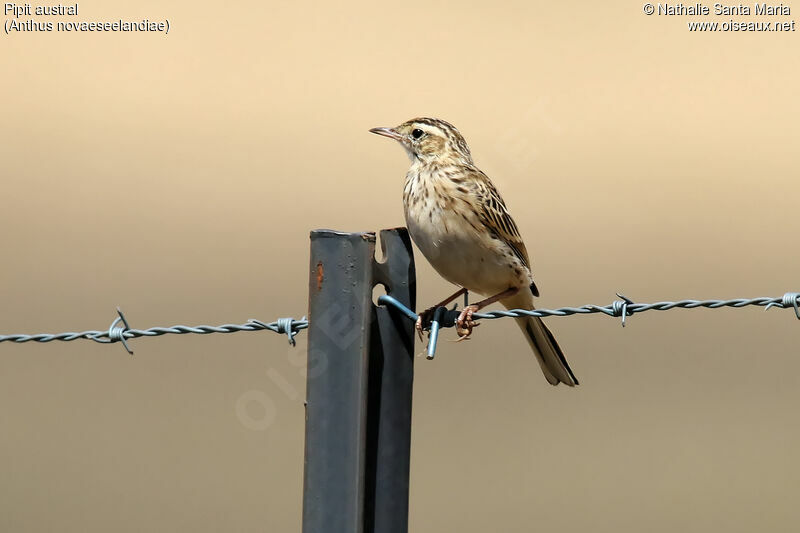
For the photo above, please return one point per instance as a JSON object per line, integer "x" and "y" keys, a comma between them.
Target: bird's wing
{"x": 495, "y": 216}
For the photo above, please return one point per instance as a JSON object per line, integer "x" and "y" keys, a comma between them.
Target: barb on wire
{"x": 284, "y": 325}
{"x": 116, "y": 333}
{"x": 790, "y": 299}
{"x": 618, "y": 308}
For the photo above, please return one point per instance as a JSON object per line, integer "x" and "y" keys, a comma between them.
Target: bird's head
{"x": 429, "y": 139}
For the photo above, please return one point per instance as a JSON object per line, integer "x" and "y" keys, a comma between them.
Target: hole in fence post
{"x": 378, "y": 290}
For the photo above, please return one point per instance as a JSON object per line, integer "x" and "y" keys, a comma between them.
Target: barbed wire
{"x": 446, "y": 318}
{"x": 442, "y": 318}
{"x": 617, "y": 308}
{"x": 114, "y": 333}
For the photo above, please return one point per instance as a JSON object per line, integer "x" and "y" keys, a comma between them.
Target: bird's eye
{"x": 417, "y": 134}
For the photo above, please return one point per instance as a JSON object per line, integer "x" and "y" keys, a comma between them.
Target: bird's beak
{"x": 387, "y": 132}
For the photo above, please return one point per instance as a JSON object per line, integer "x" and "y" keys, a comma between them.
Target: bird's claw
{"x": 464, "y": 323}
{"x": 419, "y": 328}
{"x": 424, "y": 320}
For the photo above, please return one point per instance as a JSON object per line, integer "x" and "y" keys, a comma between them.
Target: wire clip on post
{"x": 433, "y": 337}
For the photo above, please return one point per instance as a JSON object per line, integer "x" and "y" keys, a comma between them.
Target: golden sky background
{"x": 178, "y": 177}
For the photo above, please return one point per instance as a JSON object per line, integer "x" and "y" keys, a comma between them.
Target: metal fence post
{"x": 391, "y": 376}
{"x": 359, "y": 381}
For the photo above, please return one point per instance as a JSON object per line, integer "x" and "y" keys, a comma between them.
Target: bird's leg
{"x": 424, "y": 318}
{"x": 464, "y": 323}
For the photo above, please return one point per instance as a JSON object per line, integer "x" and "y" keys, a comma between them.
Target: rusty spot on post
{"x": 320, "y": 275}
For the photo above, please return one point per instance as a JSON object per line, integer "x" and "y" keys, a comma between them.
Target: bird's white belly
{"x": 462, "y": 255}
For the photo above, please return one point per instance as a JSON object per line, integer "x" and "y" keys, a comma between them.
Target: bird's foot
{"x": 424, "y": 320}
{"x": 464, "y": 323}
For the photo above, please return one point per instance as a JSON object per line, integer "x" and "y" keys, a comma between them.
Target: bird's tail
{"x": 548, "y": 353}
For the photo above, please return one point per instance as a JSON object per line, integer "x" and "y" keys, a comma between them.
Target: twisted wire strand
{"x": 631, "y": 308}
{"x": 622, "y": 308}
{"x": 103, "y": 336}
{"x": 290, "y": 327}
{"x": 446, "y": 318}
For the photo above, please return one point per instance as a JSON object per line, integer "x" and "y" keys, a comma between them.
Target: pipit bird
{"x": 460, "y": 223}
